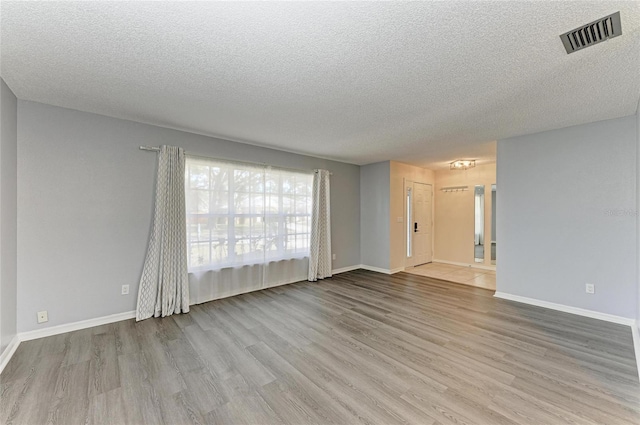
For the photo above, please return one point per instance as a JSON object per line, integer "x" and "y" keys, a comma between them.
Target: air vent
{"x": 592, "y": 33}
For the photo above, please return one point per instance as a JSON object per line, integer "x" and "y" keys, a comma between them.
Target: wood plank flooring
{"x": 360, "y": 348}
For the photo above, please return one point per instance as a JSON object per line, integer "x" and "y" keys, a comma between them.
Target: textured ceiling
{"x": 419, "y": 82}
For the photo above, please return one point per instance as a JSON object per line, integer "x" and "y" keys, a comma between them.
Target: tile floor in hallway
{"x": 481, "y": 278}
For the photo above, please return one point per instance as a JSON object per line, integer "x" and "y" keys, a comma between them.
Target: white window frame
{"x": 256, "y": 256}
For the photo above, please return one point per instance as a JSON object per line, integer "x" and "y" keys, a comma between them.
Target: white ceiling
{"x": 420, "y": 82}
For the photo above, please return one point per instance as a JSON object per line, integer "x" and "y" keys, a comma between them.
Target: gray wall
{"x": 493, "y": 214}
{"x": 638, "y": 215}
{"x": 566, "y": 216}
{"x": 8, "y": 215}
{"x": 85, "y": 200}
{"x": 374, "y": 218}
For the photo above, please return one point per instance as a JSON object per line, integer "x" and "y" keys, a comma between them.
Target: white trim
{"x": 56, "y": 330}
{"x": 89, "y": 323}
{"x": 568, "y": 309}
{"x": 379, "y": 269}
{"x": 475, "y": 265}
{"x": 9, "y": 351}
{"x": 375, "y": 269}
{"x": 346, "y": 269}
{"x": 635, "y": 331}
{"x": 69, "y": 327}
{"x": 635, "y": 325}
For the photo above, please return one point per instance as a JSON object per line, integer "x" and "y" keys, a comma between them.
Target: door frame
{"x": 406, "y": 184}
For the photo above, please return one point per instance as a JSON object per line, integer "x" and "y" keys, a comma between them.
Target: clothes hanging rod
{"x": 157, "y": 149}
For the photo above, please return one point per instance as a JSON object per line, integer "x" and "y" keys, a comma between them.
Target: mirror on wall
{"x": 493, "y": 224}
{"x": 479, "y": 224}
{"x": 409, "y": 221}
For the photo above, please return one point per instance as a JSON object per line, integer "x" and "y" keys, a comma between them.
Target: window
{"x": 245, "y": 214}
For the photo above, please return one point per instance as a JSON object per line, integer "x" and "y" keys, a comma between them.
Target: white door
{"x": 419, "y": 223}
{"x": 422, "y": 223}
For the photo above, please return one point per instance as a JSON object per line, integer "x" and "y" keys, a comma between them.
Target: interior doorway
{"x": 419, "y": 221}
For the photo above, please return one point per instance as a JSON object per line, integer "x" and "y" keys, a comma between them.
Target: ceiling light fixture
{"x": 462, "y": 164}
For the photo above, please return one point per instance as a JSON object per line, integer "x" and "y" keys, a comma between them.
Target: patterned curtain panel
{"x": 320, "y": 249}
{"x": 164, "y": 287}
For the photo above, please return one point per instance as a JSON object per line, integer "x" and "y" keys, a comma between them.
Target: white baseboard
{"x": 9, "y": 351}
{"x": 568, "y": 309}
{"x": 476, "y": 265}
{"x": 56, "y": 330}
{"x": 60, "y": 329}
{"x": 68, "y": 327}
{"x": 346, "y": 269}
{"x": 586, "y": 313}
{"x": 635, "y": 331}
{"x": 380, "y": 270}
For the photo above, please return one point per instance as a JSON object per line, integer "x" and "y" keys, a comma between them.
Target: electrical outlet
{"x": 333, "y": 257}
{"x": 399, "y": 219}
{"x": 43, "y": 316}
{"x": 590, "y": 288}
{"x": 125, "y": 290}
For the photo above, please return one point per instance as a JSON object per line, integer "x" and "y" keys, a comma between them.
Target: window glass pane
{"x": 219, "y": 202}
{"x": 242, "y": 180}
{"x": 272, "y": 248}
{"x": 199, "y": 177}
{"x": 242, "y": 246}
{"x": 219, "y": 179}
{"x": 288, "y": 184}
{"x": 272, "y": 240}
{"x": 198, "y": 228}
{"x": 272, "y": 225}
{"x": 303, "y": 187}
{"x": 271, "y": 182}
{"x": 290, "y": 224}
{"x": 272, "y": 204}
{"x": 242, "y": 227}
{"x": 257, "y": 227}
{"x": 302, "y": 224}
{"x": 199, "y": 254}
{"x": 257, "y": 181}
{"x": 219, "y": 227}
{"x": 257, "y": 204}
{"x": 219, "y": 251}
{"x": 301, "y": 205}
{"x": 302, "y": 242}
{"x": 242, "y": 202}
{"x": 288, "y": 204}
{"x": 241, "y": 214}
{"x": 197, "y": 202}
{"x": 257, "y": 246}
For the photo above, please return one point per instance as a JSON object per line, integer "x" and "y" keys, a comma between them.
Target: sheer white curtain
{"x": 164, "y": 288}
{"x": 320, "y": 249}
{"x": 248, "y": 227}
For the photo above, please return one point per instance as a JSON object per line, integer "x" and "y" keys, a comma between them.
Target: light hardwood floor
{"x": 473, "y": 276}
{"x": 360, "y": 348}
